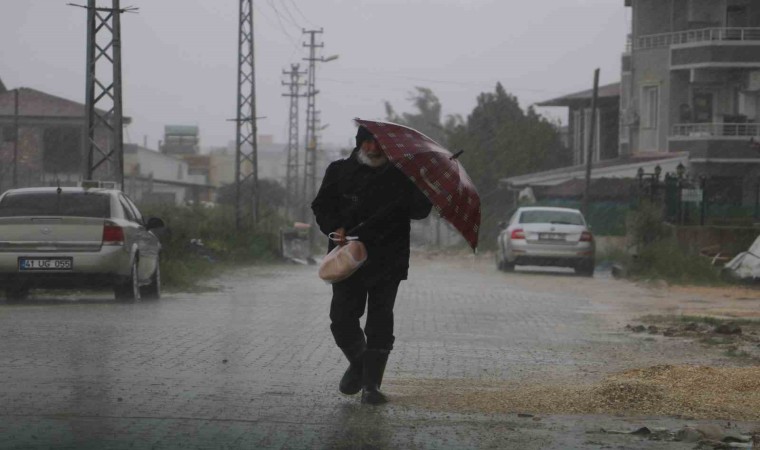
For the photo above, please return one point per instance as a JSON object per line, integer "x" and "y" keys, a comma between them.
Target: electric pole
{"x": 246, "y": 150}
{"x": 310, "y": 160}
{"x": 309, "y": 182}
{"x": 108, "y": 151}
{"x": 590, "y": 143}
{"x": 291, "y": 177}
{"x": 15, "y": 138}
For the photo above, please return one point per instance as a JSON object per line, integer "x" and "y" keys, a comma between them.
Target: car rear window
{"x": 558, "y": 217}
{"x": 72, "y": 204}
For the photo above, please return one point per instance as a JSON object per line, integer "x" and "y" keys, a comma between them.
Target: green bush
{"x": 646, "y": 224}
{"x": 666, "y": 259}
{"x": 184, "y": 264}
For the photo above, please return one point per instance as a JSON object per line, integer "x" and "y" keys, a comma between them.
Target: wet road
{"x": 253, "y": 365}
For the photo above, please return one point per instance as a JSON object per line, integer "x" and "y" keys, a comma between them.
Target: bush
{"x": 666, "y": 259}
{"x": 184, "y": 261}
{"x": 646, "y": 224}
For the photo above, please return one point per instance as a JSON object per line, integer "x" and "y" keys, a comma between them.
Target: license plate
{"x": 551, "y": 236}
{"x": 40, "y": 264}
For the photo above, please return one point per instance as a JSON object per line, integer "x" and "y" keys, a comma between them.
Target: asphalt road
{"x": 252, "y": 364}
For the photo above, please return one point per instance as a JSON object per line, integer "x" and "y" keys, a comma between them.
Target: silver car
{"x": 77, "y": 238}
{"x": 545, "y": 236}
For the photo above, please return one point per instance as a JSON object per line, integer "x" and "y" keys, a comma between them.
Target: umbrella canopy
{"x": 435, "y": 171}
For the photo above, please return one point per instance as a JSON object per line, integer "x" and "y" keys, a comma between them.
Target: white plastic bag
{"x": 343, "y": 261}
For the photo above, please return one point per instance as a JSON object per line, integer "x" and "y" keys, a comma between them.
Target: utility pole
{"x": 310, "y": 160}
{"x": 105, "y": 22}
{"x": 310, "y": 156}
{"x": 590, "y": 144}
{"x": 15, "y": 138}
{"x": 291, "y": 178}
{"x": 246, "y": 143}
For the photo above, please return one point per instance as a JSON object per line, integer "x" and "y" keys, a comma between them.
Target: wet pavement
{"x": 253, "y": 365}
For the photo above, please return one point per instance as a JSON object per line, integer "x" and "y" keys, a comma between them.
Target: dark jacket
{"x": 352, "y": 193}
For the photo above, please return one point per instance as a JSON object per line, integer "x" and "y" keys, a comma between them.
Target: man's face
{"x": 371, "y": 154}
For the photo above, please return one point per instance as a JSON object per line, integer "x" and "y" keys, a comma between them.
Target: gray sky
{"x": 180, "y": 56}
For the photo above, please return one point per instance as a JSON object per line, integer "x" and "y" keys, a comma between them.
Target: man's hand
{"x": 340, "y": 234}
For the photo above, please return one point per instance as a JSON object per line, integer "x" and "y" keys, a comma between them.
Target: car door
{"x": 147, "y": 242}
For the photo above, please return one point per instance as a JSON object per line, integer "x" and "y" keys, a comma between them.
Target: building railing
{"x": 715, "y": 130}
{"x": 701, "y": 35}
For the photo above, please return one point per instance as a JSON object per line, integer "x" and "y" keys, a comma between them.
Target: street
{"x": 251, "y": 363}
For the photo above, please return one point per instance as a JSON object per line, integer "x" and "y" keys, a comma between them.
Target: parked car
{"x": 77, "y": 238}
{"x": 545, "y": 236}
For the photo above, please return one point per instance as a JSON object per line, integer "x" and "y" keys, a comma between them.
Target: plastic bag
{"x": 342, "y": 261}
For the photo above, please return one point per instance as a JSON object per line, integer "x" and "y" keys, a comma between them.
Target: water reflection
{"x": 360, "y": 426}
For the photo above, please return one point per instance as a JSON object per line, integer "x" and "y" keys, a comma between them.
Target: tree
{"x": 499, "y": 140}
{"x": 428, "y": 117}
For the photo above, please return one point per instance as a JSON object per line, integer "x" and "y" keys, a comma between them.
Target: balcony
{"x": 704, "y": 35}
{"x": 720, "y": 141}
{"x": 707, "y": 48}
{"x": 727, "y": 131}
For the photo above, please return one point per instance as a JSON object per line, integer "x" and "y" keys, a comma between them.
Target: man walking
{"x": 365, "y": 188}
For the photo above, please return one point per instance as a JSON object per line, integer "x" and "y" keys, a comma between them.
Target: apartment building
{"x": 691, "y": 84}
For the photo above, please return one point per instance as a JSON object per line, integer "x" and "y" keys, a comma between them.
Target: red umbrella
{"x": 435, "y": 171}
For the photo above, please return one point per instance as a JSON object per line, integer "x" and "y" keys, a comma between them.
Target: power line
{"x": 292, "y": 2}
{"x": 292, "y": 39}
{"x": 290, "y": 16}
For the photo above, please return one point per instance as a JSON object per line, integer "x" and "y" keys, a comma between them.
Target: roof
{"x": 62, "y": 188}
{"x": 609, "y": 91}
{"x": 546, "y": 208}
{"x": 600, "y": 189}
{"x": 2, "y": 86}
{"x": 624, "y": 167}
{"x": 41, "y": 104}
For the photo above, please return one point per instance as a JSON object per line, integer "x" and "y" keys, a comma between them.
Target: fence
{"x": 605, "y": 218}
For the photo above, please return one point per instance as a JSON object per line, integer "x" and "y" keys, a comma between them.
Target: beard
{"x": 372, "y": 161}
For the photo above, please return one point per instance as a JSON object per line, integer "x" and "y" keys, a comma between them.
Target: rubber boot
{"x": 351, "y": 383}
{"x": 372, "y": 377}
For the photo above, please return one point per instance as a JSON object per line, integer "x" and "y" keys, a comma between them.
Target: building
{"x": 691, "y": 83}
{"x": 42, "y": 139}
{"x": 579, "y": 122}
{"x": 689, "y": 95}
{"x": 181, "y": 140}
{"x": 157, "y": 178}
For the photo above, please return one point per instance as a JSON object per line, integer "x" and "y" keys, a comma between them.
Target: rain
{"x": 380, "y": 224}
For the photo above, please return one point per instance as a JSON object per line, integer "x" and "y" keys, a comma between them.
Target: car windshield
{"x": 72, "y": 204}
{"x": 547, "y": 216}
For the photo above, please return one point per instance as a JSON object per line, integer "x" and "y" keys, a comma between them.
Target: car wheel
{"x": 130, "y": 289}
{"x": 509, "y": 267}
{"x": 153, "y": 290}
{"x": 499, "y": 260}
{"x": 585, "y": 268}
{"x": 16, "y": 293}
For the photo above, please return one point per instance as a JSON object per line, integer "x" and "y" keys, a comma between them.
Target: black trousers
{"x": 348, "y": 301}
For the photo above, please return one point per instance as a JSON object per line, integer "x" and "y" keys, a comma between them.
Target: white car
{"x": 546, "y": 236}
{"x": 77, "y": 238}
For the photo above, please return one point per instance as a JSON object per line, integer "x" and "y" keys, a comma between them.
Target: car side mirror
{"x": 154, "y": 222}
{"x": 502, "y": 225}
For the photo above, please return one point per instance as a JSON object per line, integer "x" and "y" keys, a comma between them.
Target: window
{"x": 71, "y": 204}
{"x": 128, "y": 213}
{"x": 650, "y": 105}
{"x": 135, "y": 211}
{"x": 558, "y": 217}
